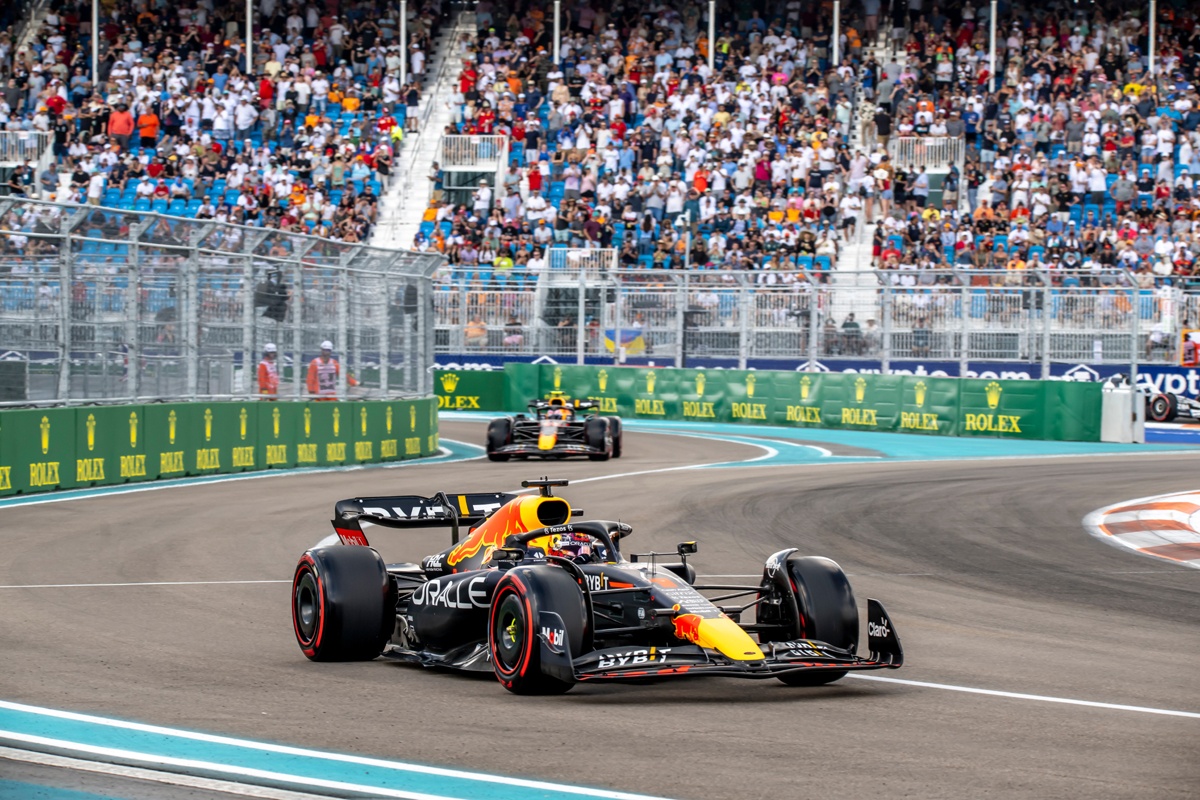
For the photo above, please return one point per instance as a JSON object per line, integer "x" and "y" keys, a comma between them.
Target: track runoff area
{"x": 1028, "y": 642}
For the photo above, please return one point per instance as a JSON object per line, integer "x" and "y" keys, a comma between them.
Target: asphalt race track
{"x": 984, "y": 566}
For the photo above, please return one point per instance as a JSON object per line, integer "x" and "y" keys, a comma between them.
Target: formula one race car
{"x": 555, "y": 428}
{"x": 546, "y": 603}
{"x": 1167, "y": 407}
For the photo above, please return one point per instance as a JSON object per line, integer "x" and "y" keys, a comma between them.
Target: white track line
{"x": 316, "y": 755}
{"x": 344, "y": 789}
{"x": 155, "y": 776}
{"x": 1035, "y": 697}
{"x": 135, "y": 583}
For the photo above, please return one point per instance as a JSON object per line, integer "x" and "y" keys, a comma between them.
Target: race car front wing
{"x": 643, "y": 663}
{"x": 559, "y": 449}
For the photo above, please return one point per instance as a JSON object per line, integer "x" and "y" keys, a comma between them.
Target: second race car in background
{"x": 555, "y": 428}
{"x": 1168, "y": 407}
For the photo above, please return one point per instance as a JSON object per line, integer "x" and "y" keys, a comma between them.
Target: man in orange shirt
{"x": 268, "y": 373}
{"x": 120, "y": 125}
{"x": 147, "y": 125}
{"x": 323, "y": 374}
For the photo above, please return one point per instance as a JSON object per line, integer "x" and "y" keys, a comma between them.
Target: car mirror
{"x": 507, "y": 556}
{"x": 686, "y": 549}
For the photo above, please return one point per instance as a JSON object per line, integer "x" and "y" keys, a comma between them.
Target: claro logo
{"x": 879, "y": 630}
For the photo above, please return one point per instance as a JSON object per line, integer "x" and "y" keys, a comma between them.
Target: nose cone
{"x": 718, "y": 633}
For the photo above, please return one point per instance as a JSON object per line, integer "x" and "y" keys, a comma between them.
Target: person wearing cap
{"x": 268, "y": 372}
{"x": 323, "y": 374}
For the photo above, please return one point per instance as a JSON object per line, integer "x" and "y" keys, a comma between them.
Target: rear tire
{"x": 614, "y": 428}
{"x": 513, "y": 629}
{"x": 343, "y": 604}
{"x": 499, "y": 434}
{"x": 825, "y": 610}
{"x": 1163, "y": 407}
{"x": 596, "y": 434}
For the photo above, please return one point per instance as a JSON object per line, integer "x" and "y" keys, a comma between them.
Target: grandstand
{"x": 601, "y": 170}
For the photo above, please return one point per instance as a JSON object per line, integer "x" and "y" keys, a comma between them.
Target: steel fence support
{"x": 342, "y": 343}
{"x": 964, "y": 330}
{"x": 464, "y": 315}
{"x": 249, "y": 323}
{"x": 383, "y": 332}
{"x": 185, "y": 295}
{"x": 680, "y": 322}
{"x": 581, "y": 318}
{"x": 297, "y": 310}
{"x": 133, "y": 344}
{"x": 423, "y": 383}
{"x": 885, "y": 329}
{"x": 814, "y": 326}
{"x": 65, "y": 318}
{"x": 1046, "y": 298}
{"x": 1135, "y": 324}
{"x": 618, "y": 328}
{"x": 744, "y": 330}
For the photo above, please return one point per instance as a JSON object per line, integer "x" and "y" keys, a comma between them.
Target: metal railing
{"x": 102, "y": 305}
{"x": 17, "y": 147}
{"x": 956, "y": 315}
{"x": 932, "y": 152}
{"x": 473, "y": 153}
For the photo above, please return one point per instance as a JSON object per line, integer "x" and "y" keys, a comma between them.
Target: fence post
{"x": 464, "y": 318}
{"x": 885, "y": 329}
{"x": 814, "y": 324}
{"x": 298, "y": 365}
{"x": 964, "y": 331}
{"x": 65, "y": 317}
{"x": 133, "y": 346}
{"x": 1136, "y": 296}
{"x": 384, "y": 334}
{"x": 617, "y": 327}
{"x": 1046, "y": 299}
{"x": 249, "y": 327}
{"x": 342, "y": 344}
{"x": 581, "y": 317}
{"x": 354, "y": 353}
{"x": 185, "y": 296}
{"x": 745, "y": 309}
{"x": 680, "y": 320}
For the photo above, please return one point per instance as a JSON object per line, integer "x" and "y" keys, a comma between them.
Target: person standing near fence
{"x": 268, "y": 372}
{"x": 323, "y": 374}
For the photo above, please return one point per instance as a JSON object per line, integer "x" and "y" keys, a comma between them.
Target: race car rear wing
{"x": 413, "y": 511}
{"x": 579, "y": 404}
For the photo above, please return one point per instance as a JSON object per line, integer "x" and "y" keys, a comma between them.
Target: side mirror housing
{"x": 686, "y": 549}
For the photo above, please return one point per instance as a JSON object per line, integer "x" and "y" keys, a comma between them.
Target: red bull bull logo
{"x": 687, "y": 627}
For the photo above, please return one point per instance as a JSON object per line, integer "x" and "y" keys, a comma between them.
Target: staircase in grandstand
{"x": 403, "y": 206}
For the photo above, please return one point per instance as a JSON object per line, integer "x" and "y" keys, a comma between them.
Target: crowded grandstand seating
{"x": 174, "y": 125}
{"x": 1074, "y": 171}
{"x": 1077, "y": 165}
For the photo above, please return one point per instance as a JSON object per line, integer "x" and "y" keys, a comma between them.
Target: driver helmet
{"x": 575, "y": 546}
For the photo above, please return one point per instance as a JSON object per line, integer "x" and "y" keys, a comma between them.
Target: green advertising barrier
{"x": 1009, "y": 409}
{"x": 110, "y": 445}
{"x": 46, "y": 449}
{"x": 911, "y": 404}
{"x": 469, "y": 390}
{"x": 278, "y": 427}
{"x": 37, "y": 450}
{"x": 169, "y": 439}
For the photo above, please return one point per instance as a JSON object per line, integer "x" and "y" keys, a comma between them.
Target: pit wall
{"x": 1055, "y": 410}
{"x": 64, "y": 448}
